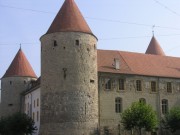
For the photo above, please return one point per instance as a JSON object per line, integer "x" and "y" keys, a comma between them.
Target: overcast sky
{"x": 124, "y": 25}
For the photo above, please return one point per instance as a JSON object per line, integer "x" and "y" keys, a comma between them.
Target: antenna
{"x": 20, "y": 46}
{"x": 153, "y": 29}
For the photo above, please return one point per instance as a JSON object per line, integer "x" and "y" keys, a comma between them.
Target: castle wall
{"x": 69, "y": 92}
{"x": 32, "y": 107}
{"x": 12, "y": 90}
{"x": 110, "y": 120}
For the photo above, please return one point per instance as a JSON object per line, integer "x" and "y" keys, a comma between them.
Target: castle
{"x": 82, "y": 90}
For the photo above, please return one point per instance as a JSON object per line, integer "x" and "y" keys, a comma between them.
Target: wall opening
{"x": 91, "y": 81}
{"x": 77, "y": 42}
{"x": 55, "y": 43}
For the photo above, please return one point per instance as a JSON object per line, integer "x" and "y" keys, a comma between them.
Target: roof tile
{"x": 154, "y": 48}
{"x": 69, "y": 18}
{"x": 139, "y": 64}
{"x": 20, "y": 67}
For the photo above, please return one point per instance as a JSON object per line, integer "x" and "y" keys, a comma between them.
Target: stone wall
{"x": 69, "y": 94}
{"x": 11, "y": 93}
{"x": 110, "y": 120}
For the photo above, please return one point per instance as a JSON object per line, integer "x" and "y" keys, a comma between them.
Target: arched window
{"x": 164, "y": 106}
{"x": 118, "y": 105}
{"x": 142, "y": 100}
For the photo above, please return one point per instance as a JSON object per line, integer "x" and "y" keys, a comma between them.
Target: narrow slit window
{"x": 55, "y": 43}
{"x": 91, "y": 81}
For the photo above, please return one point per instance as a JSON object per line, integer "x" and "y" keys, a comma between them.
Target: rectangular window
{"x": 138, "y": 85}
{"x": 33, "y": 117}
{"x": 108, "y": 84}
{"x": 121, "y": 84}
{"x": 37, "y": 102}
{"x": 77, "y": 42}
{"x": 34, "y": 103}
{"x": 164, "y": 106}
{"x": 169, "y": 87}
{"x": 37, "y": 116}
{"x": 118, "y": 105}
{"x": 153, "y": 86}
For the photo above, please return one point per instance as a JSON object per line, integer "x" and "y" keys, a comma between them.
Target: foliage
{"x": 138, "y": 116}
{"x": 171, "y": 120}
{"x": 17, "y": 124}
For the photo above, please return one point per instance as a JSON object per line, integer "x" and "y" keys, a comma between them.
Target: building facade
{"x": 83, "y": 90}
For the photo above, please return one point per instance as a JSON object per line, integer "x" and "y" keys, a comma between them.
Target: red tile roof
{"x": 20, "y": 67}
{"x": 139, "y": 64}
{"x": 154, "y": 48}
{"x": 69, "y": 18}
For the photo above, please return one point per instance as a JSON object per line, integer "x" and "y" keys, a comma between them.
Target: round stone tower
{"x": 14, "y": 82}
{"x": 69, "y": 91}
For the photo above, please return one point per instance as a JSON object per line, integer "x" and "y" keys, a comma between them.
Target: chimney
{"x": 116, "y": 63}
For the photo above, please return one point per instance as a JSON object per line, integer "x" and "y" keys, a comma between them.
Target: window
{"x": 142, "y": 100}
{"x": 77, "y": 42}
{"x": 164, "y": 106}
{"x": 118, "y": 105}
{"x": 121, "y": 84}
{"x": 10, "y": 82}
{"x": 153, "y": 86}
{"x": 37, "y": 116}
{"x": 33, "y": 117}
{"x": 169, "y": 87}
{"x": 138, "y": 85}
{"x": 55, "y": 43}
{"x": 108, "y": 84}
{"x": 34, "y": 103}
{"x": 37, "y": 102}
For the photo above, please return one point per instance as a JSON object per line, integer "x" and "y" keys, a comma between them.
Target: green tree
{"x": 17, "y": 124}
{"x": 139, "y": 116}
{"x": 171, "y": 120}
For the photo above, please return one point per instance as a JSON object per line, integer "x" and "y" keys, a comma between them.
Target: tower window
{"x": 55, "y": 43}
{"x": 10, "y": 104}
{"x": 118, "y": 105}
{"x": 94, "y": 46}
{"x": 91, "y": 81}
{"x": 138, "y": 85}
{"x": 77, "y": 42}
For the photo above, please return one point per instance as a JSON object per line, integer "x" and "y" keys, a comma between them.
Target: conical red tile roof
{"x": 20, "y": 67}
{"x": 155, "y": 48}
{"x": 69, "y": 18}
